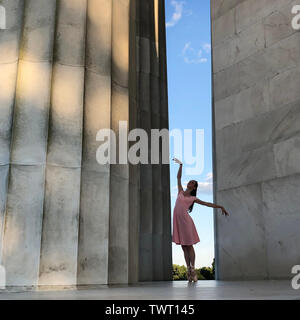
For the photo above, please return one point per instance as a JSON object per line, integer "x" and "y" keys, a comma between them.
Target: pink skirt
{"x": 184, "y": 230}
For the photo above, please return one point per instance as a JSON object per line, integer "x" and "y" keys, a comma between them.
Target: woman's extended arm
{"x": 212, "y": 205}
{"x": 179, "y": 174}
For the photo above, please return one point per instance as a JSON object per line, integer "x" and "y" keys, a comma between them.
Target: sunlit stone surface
{"x": 69, "y": 68}
{"x": 166, "y": 290}
{"x": 256, "y": 59}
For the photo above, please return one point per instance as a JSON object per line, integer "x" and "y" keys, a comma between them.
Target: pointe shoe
{"x": 189, "y": 274}
{"x": 194, "y": 274}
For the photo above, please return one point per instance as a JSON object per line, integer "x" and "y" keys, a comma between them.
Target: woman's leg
{"x": 186, "y": 255}
{"x": 191, "y": 253}
{"x": 192, "y": 259}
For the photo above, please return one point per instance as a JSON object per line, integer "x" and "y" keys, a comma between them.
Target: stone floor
{"x": 208, "y": 290}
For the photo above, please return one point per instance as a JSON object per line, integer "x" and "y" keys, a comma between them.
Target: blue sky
{"x": 189, "y": 86}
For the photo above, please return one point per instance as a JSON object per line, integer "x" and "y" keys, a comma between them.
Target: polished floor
{"x": 177, "y": 290}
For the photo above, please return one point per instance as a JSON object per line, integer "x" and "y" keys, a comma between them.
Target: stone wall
{"x": 256, "y": 122}
{"x": 69, "y": 68}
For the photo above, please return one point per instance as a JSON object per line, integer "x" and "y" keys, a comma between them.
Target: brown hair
{"x": 193, "y": 193}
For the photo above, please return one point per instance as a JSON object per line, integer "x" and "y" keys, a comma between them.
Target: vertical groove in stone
{"x": 9, "y": 55}
{"x": 95, "y": 178}
{"x": 58, "y": 264}
{"x": 134, "y": 170}
{"x": 164, "y": 123}
{"x": 143, "y": 42}
{"x": 157, "y": 211}
{"x": 214, "y": 158}
{"x": 22, "y": 234}
{"x": 118, "y": 263}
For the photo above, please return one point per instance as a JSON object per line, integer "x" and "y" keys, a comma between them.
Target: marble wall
{"x": 256, "y": 128}
{"x": 69, "y": 68}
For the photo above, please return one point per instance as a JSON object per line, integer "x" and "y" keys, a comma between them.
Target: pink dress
{"x": 184, "y": 230}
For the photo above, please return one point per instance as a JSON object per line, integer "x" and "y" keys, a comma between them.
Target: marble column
{"x": 164, "y": 124}
{"x": 155, "y": 218}
{"x": 119, "y": 228}
{"x": 58, "y": 262}
{"x": 93, "y": 252}
{"x": 9, "y": 56}
{"x": 144, "y": 104}
{"x": 25, "y": 198}
{"x": 71, "y": 68}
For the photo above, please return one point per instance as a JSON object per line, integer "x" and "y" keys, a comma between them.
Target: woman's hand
{"x": 224, "y": 212}
{"x": 179, "y": 175}
{"x": 177, "y": 161}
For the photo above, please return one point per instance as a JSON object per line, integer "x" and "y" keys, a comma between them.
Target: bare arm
{"x": 212, "y": 205}
{"x": 208, "y": 204}
{"x": 179, "y": 174}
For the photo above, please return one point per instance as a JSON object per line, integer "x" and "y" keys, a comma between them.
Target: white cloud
{"x": 190, "y": 60}
{"x": 177, "y": 14}
{"x": 195, "y": 61}
{"x": 205, "y": 186}
{"x": 192, "y": 56}
{"x": 186, "y": 47}
{"x": 206, "y": 47}
{"x": 209, "y": 176}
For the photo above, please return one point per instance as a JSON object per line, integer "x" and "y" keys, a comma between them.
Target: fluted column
{"x": 157, "y": 213}
{"x": 155, "y": 218}
{"x": 85, "y": 65}
{"x": 118, "y": 263}
{"x": 134, "y": 169}
{"x": 61, "y": 204}
{"x": 93, "y": 251}
{"x": 144, "y": 102}
{"x": 9, "y": 56}
{"x": 22, "y": 236}
{"x": 165, "y": 168}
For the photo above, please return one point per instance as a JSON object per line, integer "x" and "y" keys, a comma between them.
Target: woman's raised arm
{"x": 179, "y": 174}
